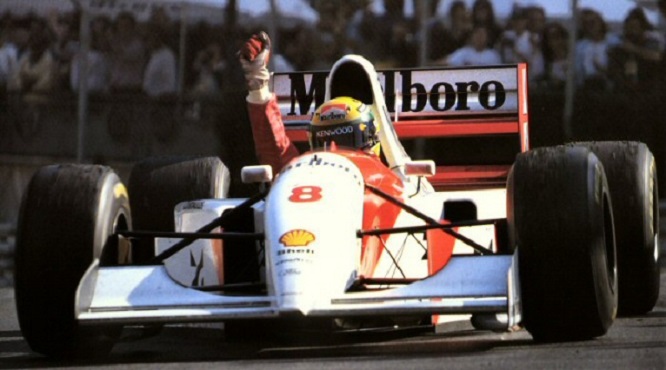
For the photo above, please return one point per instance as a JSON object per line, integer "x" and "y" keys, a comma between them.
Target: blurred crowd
{"x": 42, "y": 55}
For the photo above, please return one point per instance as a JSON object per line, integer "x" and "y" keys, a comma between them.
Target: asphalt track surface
{"x": 631, "y": 343}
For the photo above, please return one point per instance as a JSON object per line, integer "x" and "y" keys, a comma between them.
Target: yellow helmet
{"x": 347, "y": 122}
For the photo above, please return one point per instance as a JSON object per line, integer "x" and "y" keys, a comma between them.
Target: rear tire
{"x": 562, "y": 225}
{"x": 66, "y": 219}
{"x": 632, "y": 178}
{"x": 157, "y": 185}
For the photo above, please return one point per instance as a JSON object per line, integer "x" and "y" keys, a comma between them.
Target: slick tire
{"x": 561, "y": 221}
{"x": 67, "y": 217}
{"x": 632, "y": 178}
{"x": 157, "y": 185}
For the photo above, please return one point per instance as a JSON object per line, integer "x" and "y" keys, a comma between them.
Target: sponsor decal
{"x": 198, "y": 266}
{"x": 119, "y": 191}
{"x": 335, "y": 132}
{"x": 297, "y": 238}
{"x": 294, "y": 259}
{"x": 289, "y": 271}
{"x": 305, "y": 194}
{"x": 295, "y": 251}
{"x": 197, "y": 204}
{"x": 417, "y": 91}
{"x": 333, "y": 112}
{"x": 317, "y": 161}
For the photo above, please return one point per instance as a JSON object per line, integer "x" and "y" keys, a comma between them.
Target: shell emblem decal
{"x": 297, "y": 238}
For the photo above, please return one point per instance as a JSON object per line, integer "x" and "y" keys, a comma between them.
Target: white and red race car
{"x": 550, "y": 240}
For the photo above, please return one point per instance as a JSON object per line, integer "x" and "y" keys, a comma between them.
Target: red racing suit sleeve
{"x": 271, "y": 143}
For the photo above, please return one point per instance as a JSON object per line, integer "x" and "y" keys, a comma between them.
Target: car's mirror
{"x": 420, "y": 168}
{"x": 257, "y": 174}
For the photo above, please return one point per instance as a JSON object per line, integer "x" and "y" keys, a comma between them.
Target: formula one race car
{"x": 553, "y": 239}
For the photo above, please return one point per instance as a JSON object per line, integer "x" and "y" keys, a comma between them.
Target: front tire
{"x": 561, "y": 218}
{"x": 66, "y": 219}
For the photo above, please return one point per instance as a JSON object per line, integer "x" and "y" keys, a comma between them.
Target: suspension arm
{"x": 207, "y": 228}
{"x": 429, "y": 220}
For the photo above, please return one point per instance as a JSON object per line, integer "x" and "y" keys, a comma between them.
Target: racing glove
{"x": 254, "y": 56}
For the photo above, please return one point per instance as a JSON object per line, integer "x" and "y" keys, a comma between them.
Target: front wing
{"x": 147, "y": 294}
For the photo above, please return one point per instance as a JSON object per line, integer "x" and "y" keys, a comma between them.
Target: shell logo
{"x": 297, "y": 238}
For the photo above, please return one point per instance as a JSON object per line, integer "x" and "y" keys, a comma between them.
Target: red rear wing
{"x": 431, "y": 104}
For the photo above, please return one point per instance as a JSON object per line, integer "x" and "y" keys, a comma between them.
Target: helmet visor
{"x": 344, "y": 135}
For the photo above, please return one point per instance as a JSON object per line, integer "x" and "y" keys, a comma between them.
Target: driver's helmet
{"x": 346, "y": 122}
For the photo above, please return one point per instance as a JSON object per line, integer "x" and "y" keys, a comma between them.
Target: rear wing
{"x": 430, "y": 106}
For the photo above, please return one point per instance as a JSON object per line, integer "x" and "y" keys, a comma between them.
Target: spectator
{"x": 520, "y": 45}
{"x": 8, "y": 57}
{"x": 330, "y": 34}
{"x": 359, "y": 28}
{"x": 66, "y": 44}
{"x": 209, "y": 66}
{"x": 515, "y": 38}
{"x": 477, "y": 52}
{"x": 402, "y": 49}
{"x": 101, "y": 29}
{"x": 128, "y": 55}
{"x": 662, "y": 63}
{"x": 159, "y": 19}
{"x": 199, "y": 37}
{"x": 389, "y": 37}
{"x": 292, "y": 57}
{"x": 160, "y": 75}
{"x": 634, "y": 62}
{"x": 592, "y": 51}
{"x": 483, "y": 14}
{"x": 447, "y": 37}
{"x": 37, "y": 67}
{"x": 435, "y": 32}
{"x": 536, "y": 21}
{"x": 98, "y": 67}
{"x": 21, "y": 34}
{"x": 555, "y": 49}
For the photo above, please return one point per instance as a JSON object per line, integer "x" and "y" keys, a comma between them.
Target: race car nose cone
{"x": 302, "y": 303}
